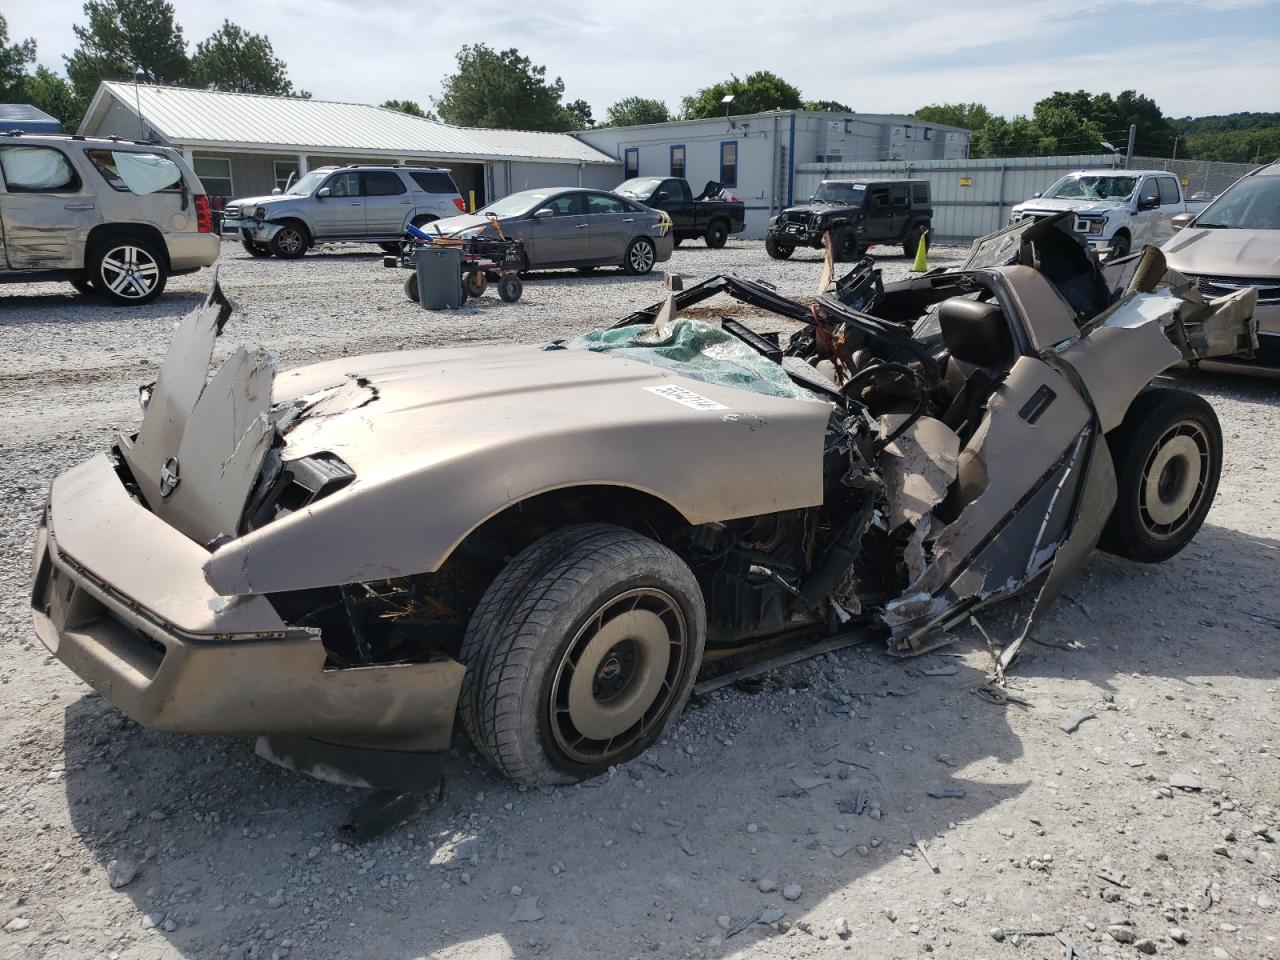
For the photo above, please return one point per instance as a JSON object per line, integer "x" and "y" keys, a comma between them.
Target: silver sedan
{"x": 572, "y": 227}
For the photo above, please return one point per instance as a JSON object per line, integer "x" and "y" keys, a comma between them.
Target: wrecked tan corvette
{"x": 550, "y": 541}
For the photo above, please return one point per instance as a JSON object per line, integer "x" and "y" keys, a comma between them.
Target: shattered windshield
{"x": 306, "y": 185}
{"x": 639, "y": 187}
{"x": 1092, "y": 187}
{"x": 830, "y": 191}
{"x": 1252, "y": 204}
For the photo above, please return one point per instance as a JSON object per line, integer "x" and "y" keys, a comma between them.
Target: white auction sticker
{"x": 686, "y": 397}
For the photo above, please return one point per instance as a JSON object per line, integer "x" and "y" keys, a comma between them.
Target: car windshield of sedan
{"x": 1092, "y": 188}
{"x": 306, "y": 186}
{"x": 1252, "y": 204}
{"x": 845, "y": 193}
{"x": 638, "y": 188}
{"x": 516, "y": 205}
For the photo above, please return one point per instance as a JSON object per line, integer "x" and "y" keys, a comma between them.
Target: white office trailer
{"x": 756, "y": 156}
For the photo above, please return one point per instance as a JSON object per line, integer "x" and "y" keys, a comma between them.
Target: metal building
{"x": 246, "y": 144}
{"x": 25, "y": 117}
{"x": 757, "y": 156}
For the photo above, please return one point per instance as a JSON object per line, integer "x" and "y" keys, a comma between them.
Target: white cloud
{"x": 986, "y": 50}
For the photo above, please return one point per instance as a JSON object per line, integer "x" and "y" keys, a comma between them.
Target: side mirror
{"x": 1148, "y": 203}
{"x": 1181, "y": 220}
{"x": 323, "y": 192}
{"x": 544, "y": 214}
{"x": 661, "y": 195}
{"x": 1036, "y": 195}
{"x": 276, "y": 191}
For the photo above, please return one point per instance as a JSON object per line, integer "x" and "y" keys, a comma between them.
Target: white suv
{"x": 342, "y": 205}
{"x": 113, "y": 217}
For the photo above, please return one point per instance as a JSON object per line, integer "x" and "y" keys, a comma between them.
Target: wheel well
{"x": 1125, "y": 231}
{"x": 721, "y": 220}
{"x": 298, "y": 223}
{"x": 105, "y": 233}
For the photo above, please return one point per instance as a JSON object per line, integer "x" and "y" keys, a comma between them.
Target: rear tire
{"x": 411, "y": 286}
{"x": 717, "y": 234}
{"x": 580, "y": 654}
{"x": 640, "y": 257}
{"x": 510, "y": 288}
{"x": 291, "y": 241}
{"x": 128, "y": 270}
{"x": 476, "y": 283}
{"x": 776, "y": 250}
{"x": 912, "y": 243}
{"x": 1168, "y": 457}
{"x": 389, "y": 247}
{"x": 255, "y": 249}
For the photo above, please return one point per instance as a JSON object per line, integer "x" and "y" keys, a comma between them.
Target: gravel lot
{"x": 1036, "y": 830}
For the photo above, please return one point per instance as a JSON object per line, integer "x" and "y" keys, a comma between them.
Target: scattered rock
{"x": 526, "y": 911}
{"x": 121, "y": 872}
{"x": 771, "y": 915}
{"x": 842, "y": 928}
{"x": 792, "y": 891}
{"x": 890, "y": 914}
{"x": 1177, "y": 935}
{"x": 1072, "y": 723}
{"x": 1146, "y": 945}
{"x": 17, "y": 925}
{"x": 997, "y": 934}
{"x": 1122, "y": 934}
{"x": 276, "y": 900}
{"x": 766, "y": 885}
{"x": 1185, "y": 781}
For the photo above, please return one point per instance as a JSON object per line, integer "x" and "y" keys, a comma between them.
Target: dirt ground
{"x": 1149, "y": 829}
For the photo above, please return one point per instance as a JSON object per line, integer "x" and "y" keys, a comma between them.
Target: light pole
{"x": 138, "y": 76}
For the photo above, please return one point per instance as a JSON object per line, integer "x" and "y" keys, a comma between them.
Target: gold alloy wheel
{"x": 619, "y": 675}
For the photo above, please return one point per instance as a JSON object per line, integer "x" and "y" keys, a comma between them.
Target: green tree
{"x": 756, "y": 93}
{"x": 1155, "y": 132}
{"x": 410, "y": 107}
{"x": 580, "y": 112}
{"x": 494, "y": 88}
{"x": 53, "y": 94}
{"x": 633, "y": 111}
{"x": 966, "y": 116}
{"x": 123, "y": 36}
{"x": 240, "y": 62}
{"x": 13, "y": 63}
{"x": 827, "y": 106}
{"x": 1061, "y": 130}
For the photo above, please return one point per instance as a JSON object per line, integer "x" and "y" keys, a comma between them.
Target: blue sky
{"x": 1217, "y": 56}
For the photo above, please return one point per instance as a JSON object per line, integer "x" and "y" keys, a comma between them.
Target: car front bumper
{"x": 796, "y": 234}
{"x": 120, "y": 597}
{"x": 259, "y": 231}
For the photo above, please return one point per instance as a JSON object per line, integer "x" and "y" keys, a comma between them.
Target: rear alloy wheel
{"x": 640, "y": 257}
{"x": 129, "y": 271}
{"x": 776, "y": 250}
{"x": 1168, "y": 457}
{"x": 717, "y": 234}
{"x": 290, "y": 242}
{"x": 580, "y": 653}
{"x": 255, "y": 249}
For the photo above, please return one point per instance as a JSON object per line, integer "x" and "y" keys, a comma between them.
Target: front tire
{"x": 1168, "y": 457}
{"x": 129, "y": 270}
{"x": 291, "y": 241}
{"x": 776, "y": 250}
{"x": 1119, "y": 246}
{"x": 255, "y": 249}
{"x": 640, "y": 257}
{"x": 717, "y": 234}
{"x": 580, "y": 653}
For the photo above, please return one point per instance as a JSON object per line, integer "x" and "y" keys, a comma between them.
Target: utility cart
{"x": 485, "y": 260}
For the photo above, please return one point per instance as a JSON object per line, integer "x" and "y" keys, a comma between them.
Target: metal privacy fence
{"x": 973, "y": 197}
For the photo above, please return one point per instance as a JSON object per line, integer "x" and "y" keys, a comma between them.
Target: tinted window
{"x": 344, "y": 185}
{"x": 673, "y": 190}
{"x": 37, "y": 170}
{"x": 599, "y": 203}
{"x": 1169, "y": 190}
{"x": 878, "y": 202}
{"x": 1150, "y": 191}
{"x": 900, "y": 196}
{"x": 565, "y": 205}
{"x": 382, "y": 183}
{"x": 920, "y": 192}
{"x": 434, "y": 182}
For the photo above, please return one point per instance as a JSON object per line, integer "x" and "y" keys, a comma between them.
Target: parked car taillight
{"x": 457, "y": 202}
{"x": 204, "y": 219}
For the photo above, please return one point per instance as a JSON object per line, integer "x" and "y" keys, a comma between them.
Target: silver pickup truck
{"x": 1115, "y": 210}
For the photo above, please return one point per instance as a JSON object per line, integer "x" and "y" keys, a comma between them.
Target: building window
{"x": 729, "y": 163}
{"x": 630, "y": 163}
{"x": 677, "y": 160}
{"x": 215, "y": 174}
{"x": 928, "y": 133}
{"x": 285, "y": 171}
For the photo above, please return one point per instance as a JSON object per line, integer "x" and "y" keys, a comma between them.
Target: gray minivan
{"x": 113, "y": 217}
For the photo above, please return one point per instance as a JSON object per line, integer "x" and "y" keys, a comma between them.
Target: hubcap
{"x": 618, "y": 677}
{"x": 129, "y": 271}
{"x": 290, "y": 240}
{"x": 1174, "y": 479}
{"x": 642, "y": 257}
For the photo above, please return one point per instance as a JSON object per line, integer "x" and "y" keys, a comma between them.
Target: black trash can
{"x": 439, "y": 277}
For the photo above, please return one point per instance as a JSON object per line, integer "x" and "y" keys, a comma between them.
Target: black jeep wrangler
{"x": 858, "y": 214}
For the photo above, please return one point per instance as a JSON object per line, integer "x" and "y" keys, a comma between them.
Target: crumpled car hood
{"x": 1225, "y": 252}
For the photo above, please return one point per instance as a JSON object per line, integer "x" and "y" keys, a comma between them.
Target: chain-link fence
{"x": 1209, "y": 177}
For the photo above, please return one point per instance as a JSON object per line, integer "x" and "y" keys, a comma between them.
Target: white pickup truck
{"x": 1116, "y": 210}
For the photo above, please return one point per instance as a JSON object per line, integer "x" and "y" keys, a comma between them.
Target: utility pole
{"x": 1175, "y": 146}
{"x": 1133, "y": 137}
{"x": 138, "y": 76}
